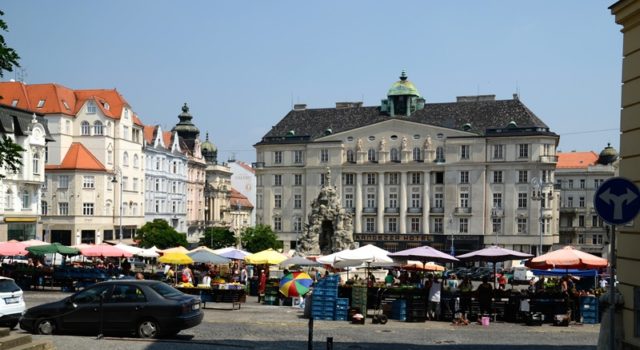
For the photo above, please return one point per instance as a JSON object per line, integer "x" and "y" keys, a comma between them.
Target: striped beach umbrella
{"x": 295, "y": 284}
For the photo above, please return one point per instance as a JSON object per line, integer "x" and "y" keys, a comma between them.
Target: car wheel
{"x": 148, "y": 329}
{"x": 45, "y": 326}
{"x": 12, "y": 324}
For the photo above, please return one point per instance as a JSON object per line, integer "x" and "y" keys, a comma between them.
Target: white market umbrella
{"x": 130, "y": 249}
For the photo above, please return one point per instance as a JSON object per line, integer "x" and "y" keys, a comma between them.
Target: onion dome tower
{"x": 608, "y": 155}
{"x": 185, "y": 128}
{"x": 209, "y": 151}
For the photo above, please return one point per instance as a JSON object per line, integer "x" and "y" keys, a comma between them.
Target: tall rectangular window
{"x": 415, "y": 178}
{"x": 464, "y": 177}
{"x": 570, "y": 202}
{"x": 464, "y": 225}
{"x": 464, "y": 152}
{"x": 438, "y": 200}
{"x": 415, "y": 225}
{"x": 88, "y": 181}
{"x": 570, "y": 183}
{"x": 324, "y": 155}
{"x": 277, "y": 201}
{"x": 581, "y": 202}
{"x": 298, "y": 157}
{"x": 371, "y": 178}
{"x": 297, "y": 224}
{"x": 497, "y": 225}
{"x": 297, "y": 179}
{"x": 392, "y": 225}
{"x": 498, "y": 151}
{"x": 523, "y": 176}
{"x": 63, "y": 208}
{"x": 393, "y": 178}
{"x": 370, "y": 225}
{"x": 522, "y": 225}
{"x": 581, "y": 221}
{"x": 415, "y": 200}
{"x": 87, "y": 209}
{"x": 277, "y": 180}
{"x": 497, "y": 177}
{"x": 277, "y": 223}
{"x": 297, "y": 201}
{"x": 522, "y": 200}
{"x": 348, "y": 179}
{"x": 277, "y": 157}
{"x": 523, "y": 151}
{"x": 582, "y": 183}
{"x": 371, "y": 200}
{"x": 464, "y": 199}
{"x": 497, "y": 200}
{"x": 63, "y": 181}
{"x": 438, "y": 225}
{"x": 348, "y": 200}
{"x": 393, "y": 200}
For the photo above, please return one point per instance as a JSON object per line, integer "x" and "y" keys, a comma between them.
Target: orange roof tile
{"x": 576, "y": 160}
{"x": 236, "y": 198}
{"x": 246, "y": 166}
{"x": 78, "y": 157}
{"x": 57, "y": 98}
{"x": 149, "y": 132}
{"x": 112, "y": 97}
{"x": 166, "y": 136}
{"x": 137, "y": 121}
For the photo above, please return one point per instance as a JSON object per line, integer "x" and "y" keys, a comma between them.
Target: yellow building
{"x": 627, "y": 14}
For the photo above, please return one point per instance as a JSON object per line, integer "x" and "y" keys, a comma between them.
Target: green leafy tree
{"x": 158, "y": 233}
{"x": 10, "y": 153}
{"x": 261, "y": 237}
{"x": 218, "y": 237}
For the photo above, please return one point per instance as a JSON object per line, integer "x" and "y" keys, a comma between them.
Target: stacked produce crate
{"x": 589, "y": 309}
{"x": 399, "y": 310}
{"x": 323, "y": 298}
{"x": 342, "y": 309}
{"x": 359, "y": 298}
{"x": 271, "y": 294}
{"x": 416, "y": 308}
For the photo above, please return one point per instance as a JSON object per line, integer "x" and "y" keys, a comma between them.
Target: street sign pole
{"x": 612, "y": 287}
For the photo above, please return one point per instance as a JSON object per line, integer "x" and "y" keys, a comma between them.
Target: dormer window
{"x": 66, "y": 105}
{"x": 40, "y": 104}
{"x": 106, "y": 106}
{"x": 126, "y": 113}
{"x": 91, "y": 107}
{"x": 14, "y": 103}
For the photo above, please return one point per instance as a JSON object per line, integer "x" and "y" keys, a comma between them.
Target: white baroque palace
{"x": 456, "y": 176}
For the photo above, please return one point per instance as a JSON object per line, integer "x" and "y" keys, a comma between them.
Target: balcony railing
{"x": 548, "y": 159}
{"x": 497, "y": 212}
{"x": 437, "y": 210}
{"x": 350, "y": 210}
{"x": 462, "y": 211}
{"x": 370, "y": 210}
{"x": 257, "y": 165}
{"x": 391, "y": 210}
{"x": 414, "y": 210}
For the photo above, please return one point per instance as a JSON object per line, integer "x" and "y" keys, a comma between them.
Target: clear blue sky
{"x": 241, "y": 64}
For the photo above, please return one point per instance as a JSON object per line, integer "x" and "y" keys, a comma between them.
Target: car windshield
{"x": 165, "y": 290}
{"x": 8, "y": 286}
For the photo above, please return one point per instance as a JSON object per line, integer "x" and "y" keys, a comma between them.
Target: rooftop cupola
{"x": 209, "y": 151}
{"x": 608, "y": 155}
{"x": 185, "y": 127}
{"x": 403, "y": 98}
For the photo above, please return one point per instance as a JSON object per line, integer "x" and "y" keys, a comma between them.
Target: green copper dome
{"x": 185, "y": 126}
{"x": 403, "y": 87}
{"x": 608, "y": 155}
{"x": 207, "y": 146}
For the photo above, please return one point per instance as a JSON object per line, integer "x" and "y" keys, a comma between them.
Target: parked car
{"x": 11, "y": 302}
{"x": 145, "y": 308}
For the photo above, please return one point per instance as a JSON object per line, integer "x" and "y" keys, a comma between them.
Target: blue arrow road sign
{"x": 617, "y": 201}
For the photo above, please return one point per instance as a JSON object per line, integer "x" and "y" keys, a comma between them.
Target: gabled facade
{"x": 86, "y": 203}
{"x": 20, "y": 191}
{"x": 456, "y": 176}
{"x": 166, "y": 178}
{"x": 578, "y": 176}
{"x": 243, "y": 179}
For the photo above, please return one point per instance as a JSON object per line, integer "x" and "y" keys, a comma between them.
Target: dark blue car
{"x": 145, "y": 308}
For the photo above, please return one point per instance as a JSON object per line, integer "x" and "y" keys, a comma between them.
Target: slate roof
{"x": 17, "y": 120}
{"x": 310, "y": 124}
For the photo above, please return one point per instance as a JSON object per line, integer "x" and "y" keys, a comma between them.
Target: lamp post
{"x": 453, "y": 250}
{"x": 538, "y": 195}
{"x": 115, "y": 180}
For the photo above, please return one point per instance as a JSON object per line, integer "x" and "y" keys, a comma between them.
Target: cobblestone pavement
{"x": 257, "y": 326}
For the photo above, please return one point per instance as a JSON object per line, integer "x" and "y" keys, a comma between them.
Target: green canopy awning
{"x": 53, "y": 248}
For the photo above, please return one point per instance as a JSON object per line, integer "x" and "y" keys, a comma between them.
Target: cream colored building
{"x": 95, "y": 166}
{"x": 627, "y": 14}
{"x": 456, "y": 176}
{"x": 578, "y": 176}
{"x": 20, "y": 190}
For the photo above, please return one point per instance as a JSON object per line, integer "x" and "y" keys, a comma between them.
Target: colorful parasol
{"x": 295, "y": 284}
{"x": 12, "y": 248}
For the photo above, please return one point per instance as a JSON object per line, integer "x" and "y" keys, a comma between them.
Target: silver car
{"x": 11, "y": 302}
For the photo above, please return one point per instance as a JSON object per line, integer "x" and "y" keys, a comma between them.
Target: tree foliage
{"x": 10, "y": 155}
{"x": 8, "y": 56}
{"x": 158, "y": 233}
{"x": 218, "y": 237}
{"x": 261, "y": 237}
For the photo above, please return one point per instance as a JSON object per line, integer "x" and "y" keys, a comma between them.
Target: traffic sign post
{"x": 617, "y": 201}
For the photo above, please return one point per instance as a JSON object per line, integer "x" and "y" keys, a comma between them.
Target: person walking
{"x": 485, "y": 294}
{"x": 262, "y": 285}
{"x": 434, "y": 299}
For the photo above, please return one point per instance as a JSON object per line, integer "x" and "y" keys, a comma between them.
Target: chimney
{"x": 341, "y": 105}
{"x": 476, "y": 98}
{"x": 299, "y": 106}
{"x": 516, "y": 97}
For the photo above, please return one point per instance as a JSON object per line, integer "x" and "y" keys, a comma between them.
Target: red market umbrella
{"x": 105, "y": 250}
{"x": 295, "y": 284}
{"x": 13, "y": 248}
{"x": 567, "y": 258}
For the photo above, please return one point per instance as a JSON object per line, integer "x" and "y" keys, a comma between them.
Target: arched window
{"x": 109, "y": 156}
{"x": 395, "y": 155}
{"x": 371, "y": 155}
{"x": 85, "y": 128}
{"x": 351, "y": 156}
{"x": 134, "y": 209}
{"x": 36, "y": 162}
{"x": 107, "y": 208}
{"x": 25, "y": 199}
{"x": 440, "y": 154}
{"x": 44, "y": 208}
{"x": 125, "y": 159}
{"x": 175, "y": 167}
{"x": 97, "y": 128}
{"x": 417, "y": 153}
{"x": 135, "y": 160}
